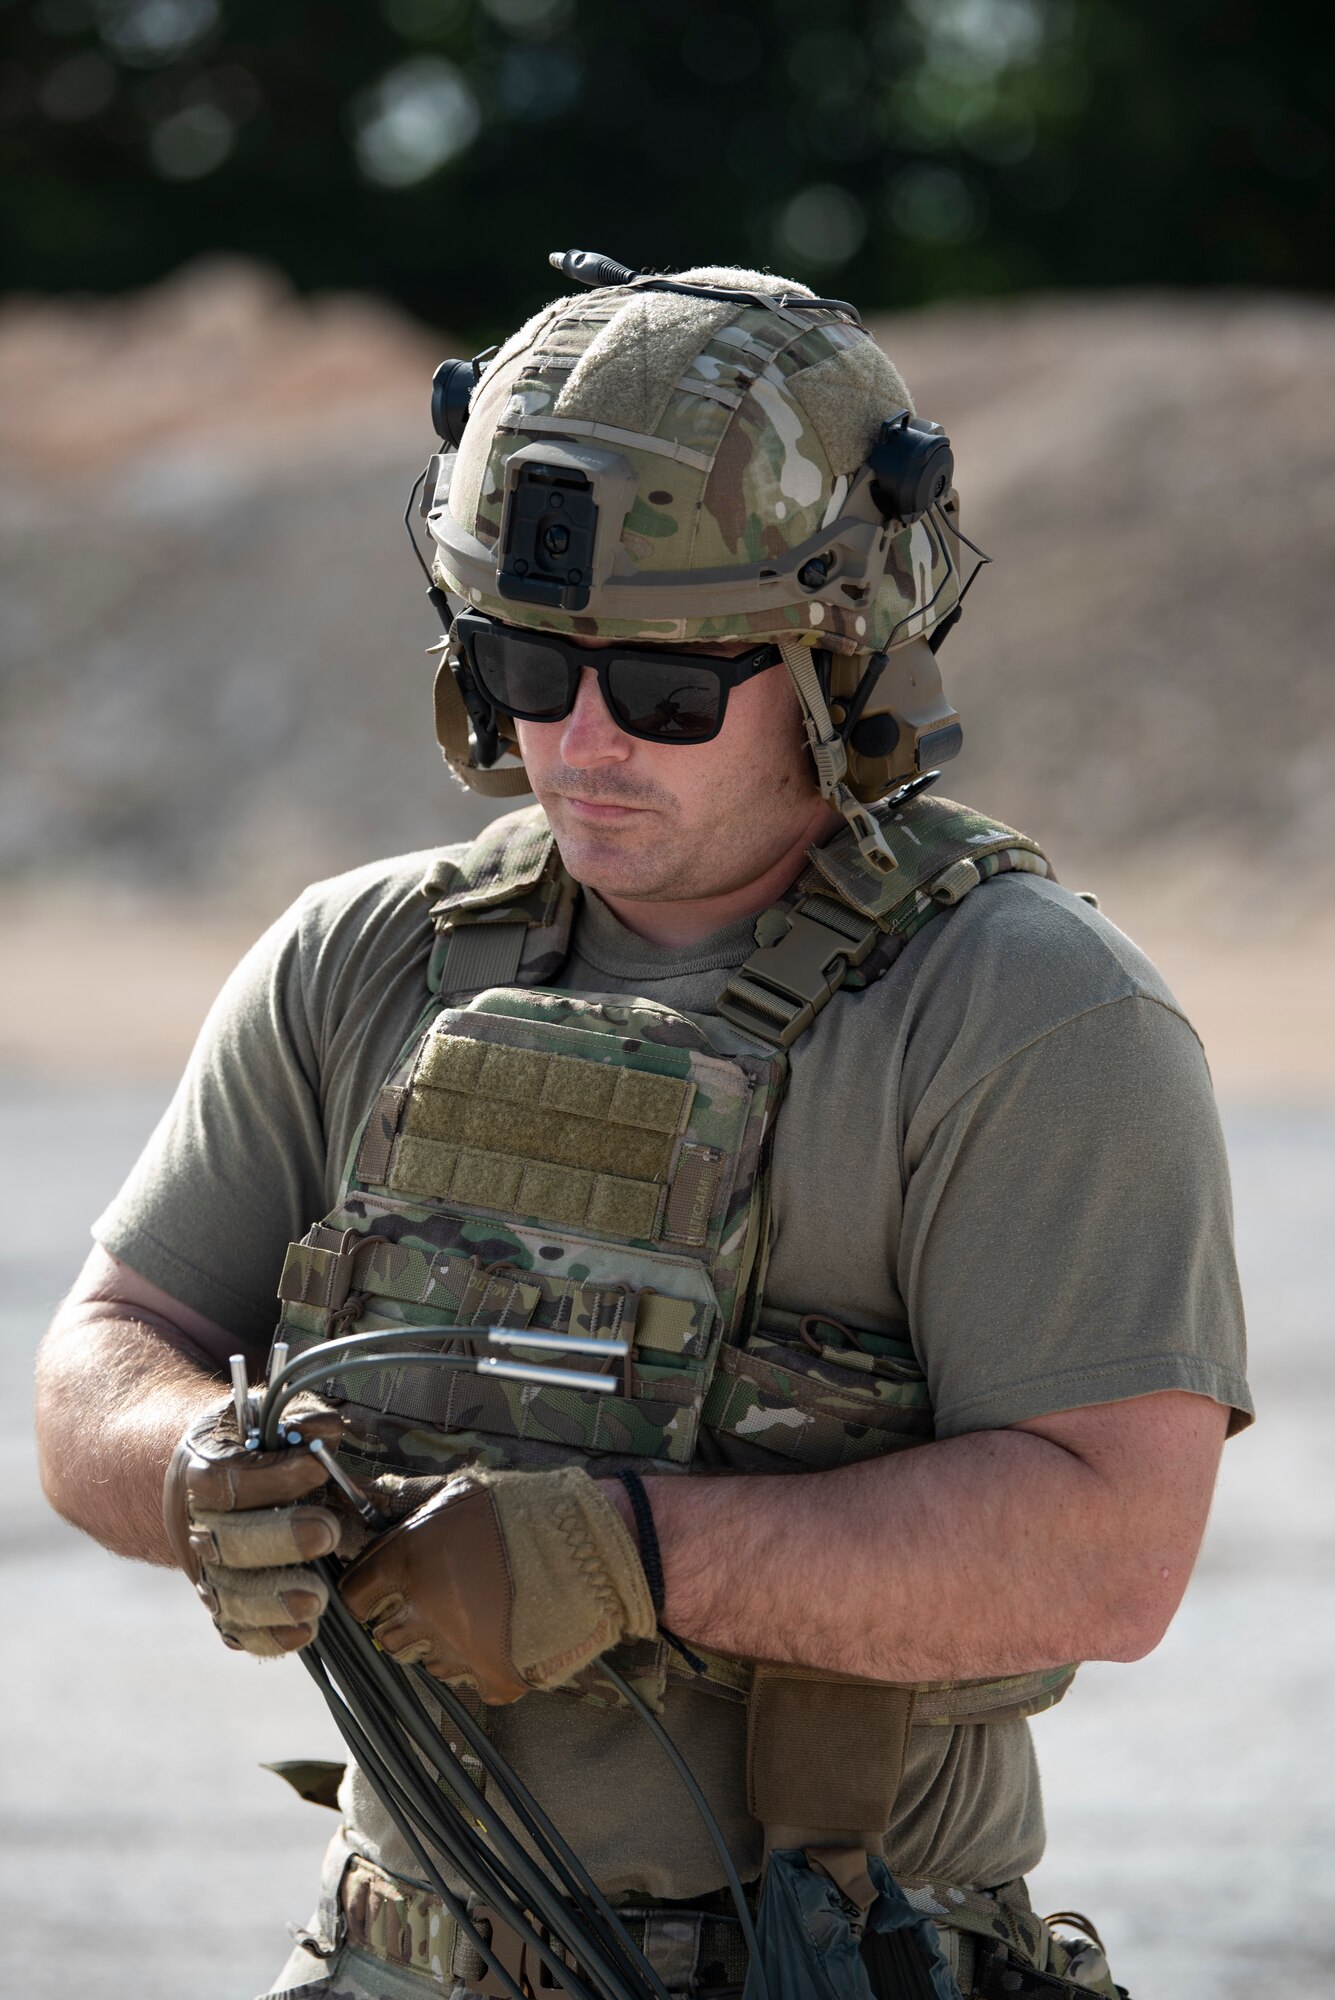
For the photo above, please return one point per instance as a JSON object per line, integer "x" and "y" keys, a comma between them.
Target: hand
{"x": 236, "y": 1533}
{"x": 506, "y": 1581}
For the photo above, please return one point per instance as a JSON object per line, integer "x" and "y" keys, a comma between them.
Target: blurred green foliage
{"x": 890, "y": 150}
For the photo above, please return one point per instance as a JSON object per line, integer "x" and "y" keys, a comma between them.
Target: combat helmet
{"x": 713, "y": 454}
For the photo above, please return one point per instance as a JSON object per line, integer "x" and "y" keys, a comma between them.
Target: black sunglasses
{"x": 661, "y": 696}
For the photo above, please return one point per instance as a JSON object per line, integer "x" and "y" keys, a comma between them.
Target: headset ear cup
{"x": 907, "y": 717}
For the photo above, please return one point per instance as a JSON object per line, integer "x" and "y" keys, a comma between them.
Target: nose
{"x": 590, "y": 736}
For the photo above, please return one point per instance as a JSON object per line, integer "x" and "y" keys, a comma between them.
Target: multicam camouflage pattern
{"x": 376, "y": 1936}
{"x": 733, "y": 475}
{"x": 591, "y": 1164}
{"x": 974, "y": 1923}
{"x": 501, "y": 1199}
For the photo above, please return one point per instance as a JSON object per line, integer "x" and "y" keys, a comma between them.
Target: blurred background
{"x": 235, "y": 238}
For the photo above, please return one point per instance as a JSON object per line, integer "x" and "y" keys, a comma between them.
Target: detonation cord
{"x": 523, "y": 1873}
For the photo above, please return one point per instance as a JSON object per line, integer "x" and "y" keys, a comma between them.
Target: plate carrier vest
{"x": 599, "y": 1165}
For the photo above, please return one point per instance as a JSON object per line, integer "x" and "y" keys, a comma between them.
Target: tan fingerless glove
{"x": 505, "y": 1581}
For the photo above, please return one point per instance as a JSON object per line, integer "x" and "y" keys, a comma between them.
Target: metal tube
{"x": 241, "y": 1394}
{"x": 556, "y": 1343}
{"x": 365, "y": 1506}
{"x": 555, "y": 1378}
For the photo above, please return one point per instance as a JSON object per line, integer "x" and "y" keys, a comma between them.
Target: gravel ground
{"x": 1191, "y": 1810}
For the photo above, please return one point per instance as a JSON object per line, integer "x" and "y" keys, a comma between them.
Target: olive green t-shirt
{"x": 1006, "y": 1150}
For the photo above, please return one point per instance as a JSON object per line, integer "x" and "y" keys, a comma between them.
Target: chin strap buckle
{"x": 830, "y": 757}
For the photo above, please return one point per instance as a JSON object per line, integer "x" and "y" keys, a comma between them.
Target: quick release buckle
{"x": 782, "y": 987}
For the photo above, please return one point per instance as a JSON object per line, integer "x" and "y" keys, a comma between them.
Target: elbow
{"x": 1134, "y": 1640}
{"x": 1134, "y": 1626}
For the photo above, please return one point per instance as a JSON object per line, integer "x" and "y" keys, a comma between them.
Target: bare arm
{"x": 122, "y": 1371}
{"x": 1069, "y": 1537}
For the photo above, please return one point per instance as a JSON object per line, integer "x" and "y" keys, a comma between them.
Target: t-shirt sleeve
{"x": 235, "y": 1169}
{"x": 1068, "y": 1228}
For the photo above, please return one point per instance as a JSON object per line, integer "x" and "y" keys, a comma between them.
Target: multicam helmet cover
{"x": 704, "y": 458}
{"x": 728, "y": 437}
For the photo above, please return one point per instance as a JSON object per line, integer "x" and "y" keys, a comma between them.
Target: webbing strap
{"x": 830, "y": 758}
{"x": 480, "y": 955}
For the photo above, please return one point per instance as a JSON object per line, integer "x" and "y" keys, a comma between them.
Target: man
{"x": 696, "y": 558}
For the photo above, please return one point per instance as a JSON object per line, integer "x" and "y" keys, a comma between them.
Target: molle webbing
{"x": 843, "y": 914}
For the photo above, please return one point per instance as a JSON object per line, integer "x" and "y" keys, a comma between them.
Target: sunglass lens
{"x": 522, "y": 677}
{"x": 670, "y": 700}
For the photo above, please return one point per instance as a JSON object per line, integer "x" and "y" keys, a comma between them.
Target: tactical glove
{"x": 505, "y": 1581}
{"x": 236, "y": 1533}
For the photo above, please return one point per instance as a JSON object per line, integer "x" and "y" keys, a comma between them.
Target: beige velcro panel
{"x": 476, "y": 1178}
{"x": 562, "y": 1139}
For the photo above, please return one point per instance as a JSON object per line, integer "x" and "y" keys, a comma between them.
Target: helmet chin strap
{"x": 831, "y": 758}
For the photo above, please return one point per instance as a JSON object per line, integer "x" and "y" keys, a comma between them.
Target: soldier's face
{"x": 674, "y": 822}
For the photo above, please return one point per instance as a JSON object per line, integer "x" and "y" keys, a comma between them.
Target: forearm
{"x": 989, "y": 1554}
{"x": 113, "y": 1397}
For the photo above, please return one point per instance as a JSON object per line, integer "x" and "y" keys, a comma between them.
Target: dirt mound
{"x": 213, "y": 630}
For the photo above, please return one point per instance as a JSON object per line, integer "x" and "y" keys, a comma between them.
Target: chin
{"x": 598, "y": 862}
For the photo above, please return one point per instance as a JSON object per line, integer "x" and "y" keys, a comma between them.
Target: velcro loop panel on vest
{"x": 824, "y": 1756}
{"x": 563, "y": 1139}
{"x": 611, "y": 1204}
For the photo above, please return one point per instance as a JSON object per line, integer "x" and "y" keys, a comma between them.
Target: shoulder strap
{"x": 503, "y": 911}
{"x": 841, "y": 910}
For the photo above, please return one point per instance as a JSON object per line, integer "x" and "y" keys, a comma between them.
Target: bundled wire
{"x": 535, "y": 1884}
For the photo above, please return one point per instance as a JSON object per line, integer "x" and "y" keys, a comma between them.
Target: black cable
{"x": 535, "y": 1820}
{"x": 701, "y": 1804}
{"x": 405, "y": 1791}
{"x": 367, "y": 1758}
{"x": 523, "y": 1881}
{"x": 515, "y": 1888}
{"x": 984, "y": 559}
{"x": 376, "y": 1709}
{"x": 329, "y": 1354}
{"x": 921, "y": 611}
{"x": 416, "y": 489}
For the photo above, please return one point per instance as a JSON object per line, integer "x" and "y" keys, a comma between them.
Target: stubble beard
{"x": 655, "y": 857}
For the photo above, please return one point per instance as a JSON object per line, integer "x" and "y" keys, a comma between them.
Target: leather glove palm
{"x": 505, "y": 1581}
{"x": 243, "y": 1526}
